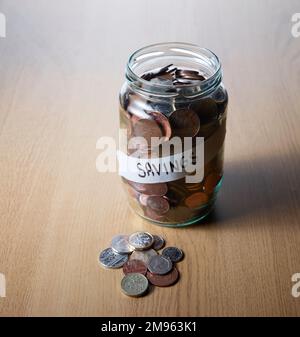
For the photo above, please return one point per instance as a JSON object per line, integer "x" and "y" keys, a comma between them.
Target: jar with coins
{"x": 173, "y": 108}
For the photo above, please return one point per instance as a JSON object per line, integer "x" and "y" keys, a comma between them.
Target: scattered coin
{"x": 163, "y": 280}
{"x": 158, "y": 243}
{"x": 143, "y": 266}
{"x": 173, "y": 253}
{"x": 134, "y": 266}
{"x": 121, "y": 245}
{"x": 141, "y": 240}
{"x": 159, "y": 265}
{"x": 110, "y": 259}
{"x": 134, "y": 284}
{"x": 143, "y": 255}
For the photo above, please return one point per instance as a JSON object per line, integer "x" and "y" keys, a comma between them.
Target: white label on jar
{"x": 155, "y": 170}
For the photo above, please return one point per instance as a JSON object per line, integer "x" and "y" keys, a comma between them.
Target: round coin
{"x": 159, "y": 265}
{"x": 159, "y": 205}
{"x": 185, "y": 123}
{"x": 158, "y": 243}
{"x": 173, "y": 253}
{"x": 134, "y": 266}
{"x": 163, "y": 280}
{"x": 143, "y": 255}
{"x": 121, "y": 245}
{"x": 163, "y": 121}
{"x": 196, "y": 200}
{"x": 147, "y": 128}
{"x": 141, "y": 240}
{"x": 134, "y": 284}
{"x": 110, "y": 259}
{"x": 158, "y": 189}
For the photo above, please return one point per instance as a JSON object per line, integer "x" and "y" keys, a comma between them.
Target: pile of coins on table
{"x": 141, "y": 262}
{"x": 175, "y": 202}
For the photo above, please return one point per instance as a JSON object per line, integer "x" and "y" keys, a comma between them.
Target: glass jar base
{"x": 189, "y": 222}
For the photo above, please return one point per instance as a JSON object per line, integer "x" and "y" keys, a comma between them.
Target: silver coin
{"x": 134, "y": 284}
{"x": 141, "y": 240}
{"x": 158, "y": 243}
{"x": 143, "y": 255}
{"x": 159, "y": 265}
{"x": 110, "y": 259}
{"x": 120, "y": 244}
{"x": 173, "y": 253}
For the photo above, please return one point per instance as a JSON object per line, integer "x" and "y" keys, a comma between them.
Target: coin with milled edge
{"x": 121, "y": 245}
{"x": 110, "y": 259}
{"x": 143, "y": 255}
{"x": 158, "y": 243}
{"x": 141, "y": 240}
{"x": 134, "y": 284}
{"x": 163, "y": 280}
{"x": 173, "y": 253}
{"x": 135, "y": 266}
{"x": 159, "y": 265}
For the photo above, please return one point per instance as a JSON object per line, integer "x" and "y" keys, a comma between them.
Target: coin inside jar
{"x": 206, "y": 109}
{"x": 147, "y": 128}
{"x": 141, "y": 240}
{"x": 134, "y": 284}
{"x": 110, "y": 259}
{"x": 158, "y": 204}
{"x": 159, "y": 265}
{"x": 163, "y": 280}
{"x": 196, "y": 199}
{"x": 173, "y": 253}
{"x": 159, "y": 189}
{"x": 134, "y": 266}
{"x": 184, "y": 123}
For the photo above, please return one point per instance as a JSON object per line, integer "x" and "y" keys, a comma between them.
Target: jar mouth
{"x": 180, "y": 55}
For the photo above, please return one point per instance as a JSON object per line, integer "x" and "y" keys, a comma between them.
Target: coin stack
{"x": 175, "y": 202}
{"x": 142, "y": 264}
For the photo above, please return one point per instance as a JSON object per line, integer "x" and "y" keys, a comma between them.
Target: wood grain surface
{"x": 61, "y": 66}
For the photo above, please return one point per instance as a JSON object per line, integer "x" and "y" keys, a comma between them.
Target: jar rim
{"x": 186, "y": 50}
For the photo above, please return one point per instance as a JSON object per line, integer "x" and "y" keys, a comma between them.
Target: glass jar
{"x": 173, "y": 91}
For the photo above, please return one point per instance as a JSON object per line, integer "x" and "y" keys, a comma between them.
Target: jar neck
{"x": 181, "y": 56}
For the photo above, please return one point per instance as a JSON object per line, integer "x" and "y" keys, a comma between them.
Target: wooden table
{"x": 61, "y": 66}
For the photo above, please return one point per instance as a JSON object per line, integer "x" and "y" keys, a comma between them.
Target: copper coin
{"x": 158, "y": 189}
{"x": 147, "y": 128}
{"x": 149, "y": 213}
{"x": 184, "y": 123}
{"x": 160, "y": 205}
{"x": 189, "y": 74}
{"x": 143, "y": 199}
{"x": 163, "y": 280}
{"x": 211, "y": 182}
{"x": 206, "y": 109}
{"x": 163, "y": 121}
{"x": 135, "y": 266}
{"x": 196, "y": 200}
